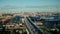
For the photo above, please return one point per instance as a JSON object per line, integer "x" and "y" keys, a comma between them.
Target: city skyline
{"x": 29, "y": 5}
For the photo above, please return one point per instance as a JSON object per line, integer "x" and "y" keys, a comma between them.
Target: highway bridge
{"x": 32, "y": 28}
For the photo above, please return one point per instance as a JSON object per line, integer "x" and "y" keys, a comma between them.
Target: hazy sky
{"x": 29, "y": 5}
